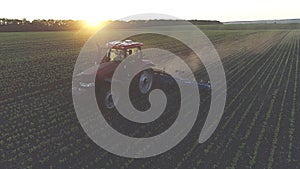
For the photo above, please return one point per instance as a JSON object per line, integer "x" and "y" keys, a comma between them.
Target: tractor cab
{"x": 119, "y": 50}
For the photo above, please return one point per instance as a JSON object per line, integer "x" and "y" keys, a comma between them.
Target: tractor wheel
{"x": 105, "y": 97}
{"x": 145, "y": 81}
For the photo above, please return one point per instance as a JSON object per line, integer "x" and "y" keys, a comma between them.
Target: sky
{"x": 229, "y": 10}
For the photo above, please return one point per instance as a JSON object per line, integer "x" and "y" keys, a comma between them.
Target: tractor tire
{"x": 145, "y": 81}
{"x": 104, "y": 97}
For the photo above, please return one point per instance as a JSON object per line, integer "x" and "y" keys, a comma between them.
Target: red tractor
{"x": 117, "y": 52}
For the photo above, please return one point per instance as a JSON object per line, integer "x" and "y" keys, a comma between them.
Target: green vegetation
{"x": 39, "y": 127}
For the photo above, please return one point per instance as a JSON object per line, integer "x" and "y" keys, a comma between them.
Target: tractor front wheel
{"x": 105, "y": 97}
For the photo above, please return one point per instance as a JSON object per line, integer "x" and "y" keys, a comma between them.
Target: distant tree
{"x": 25, "y": 21}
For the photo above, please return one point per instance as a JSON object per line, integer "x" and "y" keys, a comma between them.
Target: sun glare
{"x": 93, "y": 22}
{"x": 93, "y": 25}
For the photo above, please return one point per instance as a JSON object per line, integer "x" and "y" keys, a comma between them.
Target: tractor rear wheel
{"x": 145, "y": 81}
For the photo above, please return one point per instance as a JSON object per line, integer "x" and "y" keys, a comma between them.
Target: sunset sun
{"x": 93, "y": 22}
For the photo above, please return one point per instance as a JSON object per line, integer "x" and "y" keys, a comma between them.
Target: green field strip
{"x": 292, "y": 117}
{"x": 210, "y": 146}
{"x": 270, "y": 71}
{"x": 248, "y": 132}
{"x": 263, "y": 49}
{"x": 238, "y": 125}
{"x": 289, "y": 55}
{"x": 260, "y": 75}
{"x": 275, "y": 137}
{"x": 253, "y": 157}
{"x": 252, "y": 162}
{"x": 253, "y": 62}
{"x": 261, "y": 56}
{"x": 257, "y": 72}
{"x": 244, "y": 56}
{"x": 265, "y": 79}
{"x": 275, "y": 53}
{"x": 241, "y": 53}
{"x": 246, "y": 112}
{"x": 234, "y": 112}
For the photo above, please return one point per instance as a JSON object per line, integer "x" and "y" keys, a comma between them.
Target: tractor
{"x": 117, "y": 52}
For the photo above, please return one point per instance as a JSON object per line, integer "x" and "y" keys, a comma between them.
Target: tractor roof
{"x": 126, "y": 44}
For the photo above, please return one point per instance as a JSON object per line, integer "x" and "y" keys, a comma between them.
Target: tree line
{"x": 24, "y": 25}
{"x": 20, "y": 25}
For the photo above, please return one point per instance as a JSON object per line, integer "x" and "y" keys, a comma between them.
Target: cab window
{"x": 116, "y": 54}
